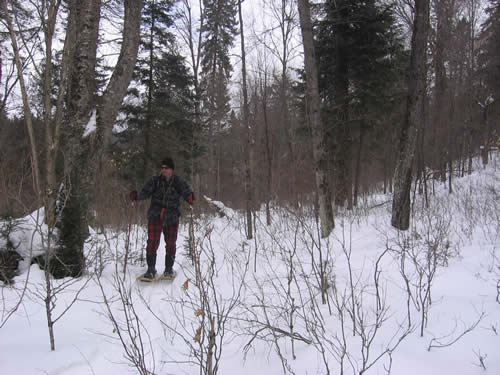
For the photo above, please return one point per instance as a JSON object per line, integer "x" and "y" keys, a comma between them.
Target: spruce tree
{"x": 159, "y": 106}
{"x": 489, "y": 58}
{"x": 489, "y": 66}
{"x": 356, "y": 43}
{"x": 219, "y": 32}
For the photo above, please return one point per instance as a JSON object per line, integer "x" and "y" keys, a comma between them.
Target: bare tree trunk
{"x": 473, "y": 10}
{"x": 282, "y": 46}
{"x": 416, "y": 94}
{"x": 358, "y": 165}
{"x": 343, "y": 137}
{"x": 246, "y": 124}
{"x": 485, "y": 133}
{"x": 193, "y": 42}
{"x": 441, "y": 89}
{"x": 83, "y": 150}
{"x": 35, "y": 164}
{"x": 314, "y": 116}
{"x": 269, "y": 156}
{"x": 76, "y": 104}
{"x": 285, "y": 16}
{"x": 52, "y": 128}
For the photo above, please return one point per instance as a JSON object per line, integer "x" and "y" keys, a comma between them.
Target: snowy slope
{"x": 262, "y": 298}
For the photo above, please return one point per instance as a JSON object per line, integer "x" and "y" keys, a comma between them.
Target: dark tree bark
{"x": 84, "y": 147}
{"x": 313, "y": 112}
{"x": 416, "y": 95}
{"x": 343, "y": 140}
{"x": 357, "y": 174}
{"x": 269, "y": 153}
{"x": 441, "y": 88}
{"x": 246, "y": 124}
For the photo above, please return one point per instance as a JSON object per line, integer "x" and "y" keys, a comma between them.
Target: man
{"x": 165, "y": 191}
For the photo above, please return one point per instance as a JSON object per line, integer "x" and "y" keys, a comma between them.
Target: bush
{"x": 9, "y": 257}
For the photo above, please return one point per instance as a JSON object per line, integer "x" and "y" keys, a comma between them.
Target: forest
{"x": 254, "y": 108}
{"x": 343, "y": 156}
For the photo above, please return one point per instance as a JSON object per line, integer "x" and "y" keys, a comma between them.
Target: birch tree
{"x": 89, "y": 118}
{"x": 81, "y": 123}
{"x": 416, "y": 95}
{"x": 314, "y": 118}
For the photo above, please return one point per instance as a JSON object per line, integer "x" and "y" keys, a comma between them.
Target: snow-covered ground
{"x": 256, "y": 306}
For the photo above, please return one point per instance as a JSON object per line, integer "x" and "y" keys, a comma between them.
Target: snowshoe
{"x": 148, "y": 277}
{"x": 169, "y": 274}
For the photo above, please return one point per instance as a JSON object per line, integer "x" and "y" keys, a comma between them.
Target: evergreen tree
{"x": 489, "y": 58}
{"x": 219, "y": 32}
{"x": 361, "y": 39}
{"x": 159, "y": 106}
{"x": 489, "y": 65}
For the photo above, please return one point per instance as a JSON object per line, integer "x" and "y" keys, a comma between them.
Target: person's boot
{"x": 151, "y": 272}
{"x": 169, "y": 270}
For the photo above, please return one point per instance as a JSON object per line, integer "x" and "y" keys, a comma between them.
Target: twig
{"x": 481, "y": 359}
{"x": 437, "y": 343}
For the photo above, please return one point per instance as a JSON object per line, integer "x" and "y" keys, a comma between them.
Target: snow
{"x": 248, "y": 285}
{"x": 91, "y": 125}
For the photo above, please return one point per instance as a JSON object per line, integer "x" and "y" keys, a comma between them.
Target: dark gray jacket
{"x": 165, "y": 194}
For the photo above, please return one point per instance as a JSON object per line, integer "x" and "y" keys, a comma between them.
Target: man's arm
{"x": 146, "y": 191}
{"x": 185, "y": 190}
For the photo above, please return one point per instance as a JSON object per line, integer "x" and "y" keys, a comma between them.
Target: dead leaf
{"x": 197, "y": 337}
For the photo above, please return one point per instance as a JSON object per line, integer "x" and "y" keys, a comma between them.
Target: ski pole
{"x": 137, "y": 236}
{"x": 128, "y": 237}
{"x": 195, "y": 258}
{"x": 191, "y": 230}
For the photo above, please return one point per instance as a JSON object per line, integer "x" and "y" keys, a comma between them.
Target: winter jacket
{"x": 165, "y": 194}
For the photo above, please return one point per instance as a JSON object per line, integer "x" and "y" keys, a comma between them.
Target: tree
{"x": 416, "y": 94}
{"x": 314, "y": 117}
{"x": 357, "y": 43}
{"x": 159, "y": 108}
{"x": 246, "y": 124}
{"x": 261, "y": 95}
{"x": 155, "y": 39}
{"x": 88, "y": 119}
{"x": 219, "y": 32}
{"x": 470, "y": 89}
{"x": 191, "y": 32}
{"x": 442, "y": 97}
{"x": 489, "y": 54}
{"x": 81, "y": 121}
{"x": 489, "y": 61}
{"x": 279, "y": 40}
{"x": 35, "y": 163}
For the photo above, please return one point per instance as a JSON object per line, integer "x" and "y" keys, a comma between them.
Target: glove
{"x": 133, "y": 195}
{"x": 190, "y": 198}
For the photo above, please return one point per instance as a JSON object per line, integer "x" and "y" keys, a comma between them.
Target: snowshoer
{"x": 165, "y": 191}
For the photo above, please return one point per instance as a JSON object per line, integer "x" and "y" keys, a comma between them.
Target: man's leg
{"x": 170, "y": 233}
{"x": 154, "y": 236}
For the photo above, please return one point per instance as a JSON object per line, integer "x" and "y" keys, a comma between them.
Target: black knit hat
{"x": 168, "y": 162}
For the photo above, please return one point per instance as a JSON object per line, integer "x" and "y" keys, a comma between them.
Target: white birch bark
{"x": 314, "y": 116}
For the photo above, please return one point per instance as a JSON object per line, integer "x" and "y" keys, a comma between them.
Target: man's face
{"x": 166, "y": 171}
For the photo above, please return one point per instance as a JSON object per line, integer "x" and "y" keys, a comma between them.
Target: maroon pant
{"x": 154, "y": 236}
